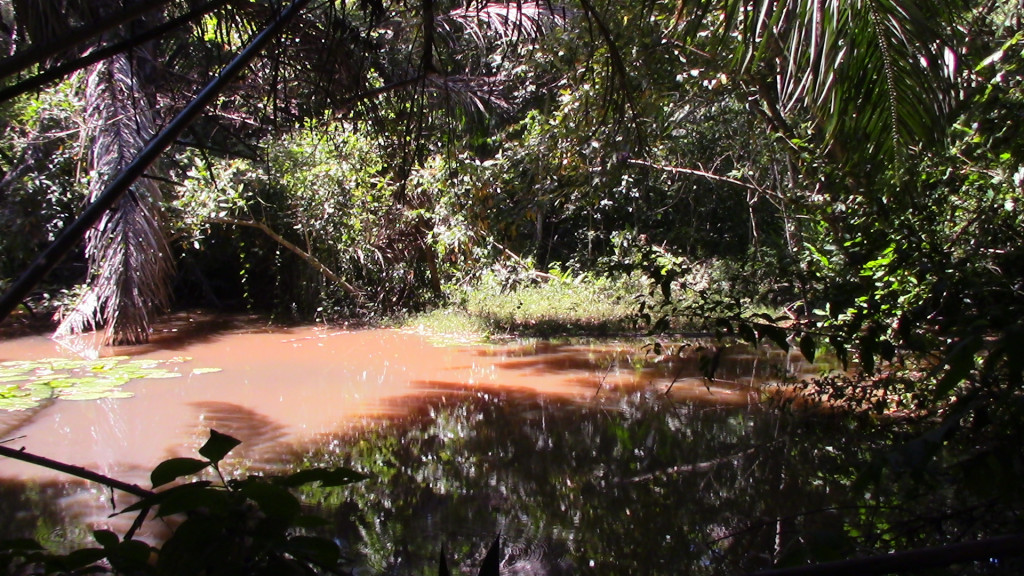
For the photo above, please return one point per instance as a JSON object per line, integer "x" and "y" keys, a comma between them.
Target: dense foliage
{"x": 857, "y": 162}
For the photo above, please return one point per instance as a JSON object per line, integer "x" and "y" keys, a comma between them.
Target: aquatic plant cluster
{"x": 25, "y": 384}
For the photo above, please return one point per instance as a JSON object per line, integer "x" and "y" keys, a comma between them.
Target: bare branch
{"x": 309, "y": 258}
{"x": 692, "y": 172}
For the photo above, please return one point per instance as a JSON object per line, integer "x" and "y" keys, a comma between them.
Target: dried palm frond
{"x": 513, "y": 20}
{"x": 41, "y": 20}
{"x": 471, "y": 92}
{"x": 129, "y": 260}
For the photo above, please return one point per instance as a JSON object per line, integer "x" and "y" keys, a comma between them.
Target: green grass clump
{"x": 534, "y": 305}
{"x": 448, "y": 326}
{"x": 554, "y": 304}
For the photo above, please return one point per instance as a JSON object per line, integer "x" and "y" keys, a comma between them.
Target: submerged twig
{"x": 912, "y": 560}
{"x": 605, "y": 377}
{"x": 684, "y": 468}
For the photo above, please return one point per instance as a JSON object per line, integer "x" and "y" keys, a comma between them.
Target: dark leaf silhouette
{"x": 492, "y": 562}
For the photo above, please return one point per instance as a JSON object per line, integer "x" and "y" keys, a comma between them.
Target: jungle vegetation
{"x": 857, "y": 163}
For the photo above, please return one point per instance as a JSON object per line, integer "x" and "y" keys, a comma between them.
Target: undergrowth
{"x": 538, "y": 304}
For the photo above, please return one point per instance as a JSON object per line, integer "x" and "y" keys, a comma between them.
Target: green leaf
{"x": 326, "y": 477}
{"x": 170, "y": 470}
{"x": 808, "y": 347}
{"x": 191, "y": 497}
{"x": 775, "y": 334}
{"x": 960, "y": 360}
{"x": 840, "y": 349}
{"x": 130, "y": 556}
{"x": 724, "y": 324}
{"x": 274, "y": 501}
{"x": 747, "y": 333}
{"x": 709, "y": 363}
{"x": 81, "y": 558}
{"x": 492, "y": 561}
{"x": 320, "y": 551}
{"x": 158, "y": 374}
{"x": 442, "y": 564}
{"x": 218, "y": 446}
{"x": 160, "y": 498}
{"x": 867, "y": 359}
{"x": 867, "y": 345}
{"x": 21, "y": 544}
{"x": 887, "y": 350}
{"x": 197, "y": 371}
{"x": 106, "y": 538}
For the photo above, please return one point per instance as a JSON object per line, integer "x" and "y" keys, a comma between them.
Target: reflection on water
{"x": 637, "y": 484}
{"x": 572, "y": 451}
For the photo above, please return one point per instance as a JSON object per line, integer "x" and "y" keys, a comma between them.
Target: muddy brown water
{"x": 304, "y": 390}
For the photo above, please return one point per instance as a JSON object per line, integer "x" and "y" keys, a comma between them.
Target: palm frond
{"x": 472, "y": 92}
{"x": 511, "y": 21}
{"x": 129, "y": 260}
{"x": 874, "y": 72}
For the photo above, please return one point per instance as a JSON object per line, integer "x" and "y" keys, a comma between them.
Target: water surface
{"x": 572, "y": 450}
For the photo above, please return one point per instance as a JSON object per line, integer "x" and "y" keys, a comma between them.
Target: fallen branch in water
{"x": 911, "y": 560}
{"x": 76, "y": 471}
{"x": 684, "y": 468}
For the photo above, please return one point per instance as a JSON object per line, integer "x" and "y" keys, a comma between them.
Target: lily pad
{"x": 157, "y": 375}
{"x": 206, "y": 370}
{"x": 25, "y": 384}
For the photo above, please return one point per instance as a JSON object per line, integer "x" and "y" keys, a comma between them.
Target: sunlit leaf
{"x": 32, "y": 381}
{"x": 160, "y": 375}
{"x": 206, "y": 370}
